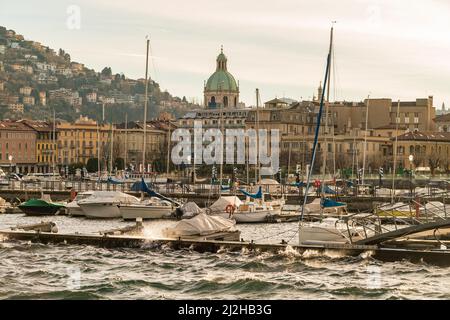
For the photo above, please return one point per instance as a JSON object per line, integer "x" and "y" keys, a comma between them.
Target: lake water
{"x": 38, "y": 271}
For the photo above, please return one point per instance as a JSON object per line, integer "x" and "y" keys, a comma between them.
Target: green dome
{"x": 221, "y": 80}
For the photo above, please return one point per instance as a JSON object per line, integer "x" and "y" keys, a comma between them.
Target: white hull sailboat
{"x": 328, "y": 230}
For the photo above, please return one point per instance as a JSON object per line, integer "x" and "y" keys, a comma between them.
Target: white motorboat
{"x": 328, "y": 230}
{"x": 73, "y": 209}
{"x": 153, "y": 208}
{"x": 104, "y": 204}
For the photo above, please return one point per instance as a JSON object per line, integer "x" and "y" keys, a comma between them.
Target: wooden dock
{"x": 429, "y": 254}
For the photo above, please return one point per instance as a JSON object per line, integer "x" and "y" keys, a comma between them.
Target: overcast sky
{"x": 386, "y": 48}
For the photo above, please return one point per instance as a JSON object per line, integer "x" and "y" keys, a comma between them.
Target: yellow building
{"x": 46, "y": 144}
{"x": 79, "y": 141}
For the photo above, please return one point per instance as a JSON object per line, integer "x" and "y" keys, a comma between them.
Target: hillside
{"x": 36, "y": 79}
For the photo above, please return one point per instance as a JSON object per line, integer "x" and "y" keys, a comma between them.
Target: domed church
{"x": 221, "y": 89}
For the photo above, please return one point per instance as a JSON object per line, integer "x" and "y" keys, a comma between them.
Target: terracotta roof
{"x": 391, "y": 127}
{"x": 41, "y": 126}
{"x": 13, "y": 126}
{"x": 442, "y": 118}
{"x": 425, "y": 136}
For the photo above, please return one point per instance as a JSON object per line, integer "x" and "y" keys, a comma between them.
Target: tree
{"x": 106, "y": 72}
{"x": 434, "y": 161}
{"x": 92, "y": 165}
{"x": 119, "y": 163}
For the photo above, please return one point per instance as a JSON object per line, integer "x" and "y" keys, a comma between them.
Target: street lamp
{"x": 10, "y": 158}
{"x": 411, "y": 159}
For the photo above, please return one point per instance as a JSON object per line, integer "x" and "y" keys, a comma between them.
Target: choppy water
{"x": 84, "y": 272}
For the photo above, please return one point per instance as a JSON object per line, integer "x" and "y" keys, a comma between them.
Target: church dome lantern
{"x": 221, "y": 89}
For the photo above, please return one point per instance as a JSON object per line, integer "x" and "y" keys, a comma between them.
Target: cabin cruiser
{"x": 104, "y": 204}
{"x": 73, "y": 209}
{"x": 153, "y": 208}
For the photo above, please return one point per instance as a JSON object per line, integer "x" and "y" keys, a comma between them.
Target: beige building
{"x": 428, "y": 149}
{"x": 129, "y": 141}
{"x": 442, "y": 123}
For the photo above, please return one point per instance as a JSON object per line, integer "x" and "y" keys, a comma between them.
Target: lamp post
{"x": 411, "y": 159}
{"x": 10, "y": 158}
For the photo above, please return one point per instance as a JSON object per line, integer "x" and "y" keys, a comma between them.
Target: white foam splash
{"x": 367, "y": 254}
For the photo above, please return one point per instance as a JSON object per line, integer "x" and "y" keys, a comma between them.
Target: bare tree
{"x": 434, "y": 161}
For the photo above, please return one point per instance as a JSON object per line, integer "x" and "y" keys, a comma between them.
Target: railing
{"x": 373, "y": 221}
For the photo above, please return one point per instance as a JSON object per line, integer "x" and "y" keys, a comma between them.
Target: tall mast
{"x": 327, "y": 108}
{"x": 168, "y": 153}
{"x": 98, "y": 149}
{"x": 365, "y": 141}
{"x": 223, "y": 144}
{"x": 111, "y": 150}
{"x": 257, "y": 166}
{"x": 54, "y": 142}
{"x": 145, "y": 109}
{"x": 316, "y": 137}
{"x": 397, "y": 121}
{"x": 126, "y": 141}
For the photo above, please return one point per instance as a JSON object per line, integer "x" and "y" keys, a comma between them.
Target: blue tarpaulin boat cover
{"x": 299, "y": 184}
{"x": 328, "y": 203}
{"x": 328, "y": 190}
{"x": 257, "y": 195}
{"x": 114, "y": 181}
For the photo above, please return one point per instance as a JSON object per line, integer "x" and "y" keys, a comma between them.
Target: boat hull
{"x": 320, "y": 234}
{"x": 248, "y": 217}
{"x": 75, "y": 211}
{"x": 39, "y": 210}
{"x": 144, "y": 212}
{"x": 101, "y": 210}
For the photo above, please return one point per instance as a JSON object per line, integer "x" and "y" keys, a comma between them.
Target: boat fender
{"x": 230, "y": 209}
{"x": 54, "y": 229}
{"x": 178, "y": 213}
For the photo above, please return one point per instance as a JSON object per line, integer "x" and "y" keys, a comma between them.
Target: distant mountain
{"x": 35, "y": 80}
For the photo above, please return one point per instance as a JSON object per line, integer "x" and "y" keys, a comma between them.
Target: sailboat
{"x": 157, "y": 207}
{"x": 327, "y": 230}
{"x": 252, "y": 210}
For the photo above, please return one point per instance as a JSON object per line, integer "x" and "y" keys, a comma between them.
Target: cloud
{"x": 390, "y": 48}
